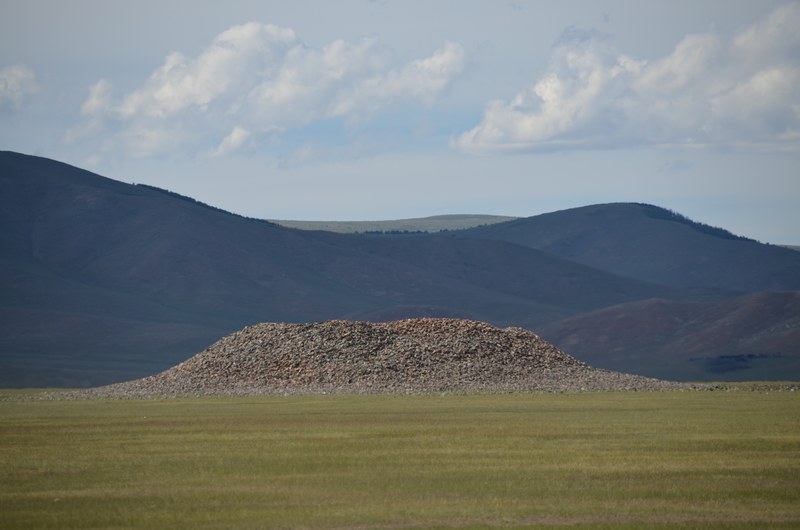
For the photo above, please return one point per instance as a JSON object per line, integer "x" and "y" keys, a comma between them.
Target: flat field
{"x": 600, "y": 460}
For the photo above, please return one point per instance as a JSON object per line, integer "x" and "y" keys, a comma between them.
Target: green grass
{"x": 685, "y": 459}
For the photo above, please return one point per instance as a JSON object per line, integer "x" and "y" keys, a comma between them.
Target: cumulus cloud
{"x": 238, "y": 59}
{"x": 421, "y": 79}
{"x": 256, "y": 80}
{"x": 742, "y": 91}
{"x": 17, "y": 83}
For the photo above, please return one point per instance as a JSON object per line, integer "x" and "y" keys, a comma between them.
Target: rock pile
{"x": 406, "y": 356}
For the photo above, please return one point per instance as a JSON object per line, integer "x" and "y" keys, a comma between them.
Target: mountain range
{"x": 104, "y": 281}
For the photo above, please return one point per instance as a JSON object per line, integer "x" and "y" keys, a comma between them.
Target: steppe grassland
{"x": 710, "y": 459}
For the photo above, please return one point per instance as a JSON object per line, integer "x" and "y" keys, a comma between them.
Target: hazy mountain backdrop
{"x": 104, "y": 281}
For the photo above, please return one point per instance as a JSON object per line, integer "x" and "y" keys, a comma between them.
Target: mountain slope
{"x": 511, "y": 269}
{"x": 104, "y": 281}
{"x": 102, "y": 277}
{"x": 750, "y": 337}
{"x": 653, "y": 245}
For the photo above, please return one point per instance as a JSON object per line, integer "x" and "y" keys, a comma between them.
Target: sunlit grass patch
{"x": 615, "y": 459}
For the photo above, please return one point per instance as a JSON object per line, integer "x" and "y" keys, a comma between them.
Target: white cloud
{"x": 692, "y": 56}
{"x": 255, "y": 80}
{"x": 774, "y": 37}
{"x": 16, "y": 84}
{"x": 232, "y": 63}
{"x": 309, "y": 81}
{"x": 422, "y": 79}
{"x": 94, "y": 110}
{"x": 742, "y": 92}
{"x": 233, "y": 141}
{"x": 99, "y": 99}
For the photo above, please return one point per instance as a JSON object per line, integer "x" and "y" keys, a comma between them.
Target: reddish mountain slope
{"x": 750, "y": 337}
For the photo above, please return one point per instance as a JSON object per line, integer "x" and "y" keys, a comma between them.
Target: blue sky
{"x": 388, "y": 109}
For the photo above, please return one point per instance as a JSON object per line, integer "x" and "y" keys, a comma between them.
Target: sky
{"x": 389, "y": 109}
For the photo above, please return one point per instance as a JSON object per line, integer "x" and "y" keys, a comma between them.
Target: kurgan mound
{"x": 406, "y": 356}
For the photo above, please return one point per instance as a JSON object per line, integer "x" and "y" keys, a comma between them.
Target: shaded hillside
{"x": 750, "y": 337}
{"x": 102, "y": 277}
{"x": 420, "y": 355}
{"x": 104, "y": 281}
{"x": 510, "y": 269}
{"x": 654, "y": 245}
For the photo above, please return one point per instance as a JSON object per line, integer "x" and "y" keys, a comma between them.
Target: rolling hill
{"x": 105, "y": 281}
{"x": 756, "y": 334}
{"x": 654, "y": 245}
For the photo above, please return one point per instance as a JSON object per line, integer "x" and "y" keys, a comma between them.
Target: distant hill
{"x": 757, "y": 334}
{"x": 654, "y": 245}
{"x": 104, "y": 281}
{"x": 435, "y": 223}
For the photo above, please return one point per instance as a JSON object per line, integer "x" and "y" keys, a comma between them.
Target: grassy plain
{"x": 601, "y": 460}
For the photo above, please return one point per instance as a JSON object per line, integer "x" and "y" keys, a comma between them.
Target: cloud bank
{"x": 256, "y": 81}
{"x": 742, "y": 92}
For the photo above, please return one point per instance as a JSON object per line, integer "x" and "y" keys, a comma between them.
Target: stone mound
{"x": 407, "y": 356}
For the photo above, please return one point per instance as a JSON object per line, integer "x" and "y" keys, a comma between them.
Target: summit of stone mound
{"x": 406, "y": 356}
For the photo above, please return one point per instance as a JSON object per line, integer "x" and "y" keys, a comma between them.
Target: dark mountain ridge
{"x": 654, "y": 245}
{"x": 106, "y": 281}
